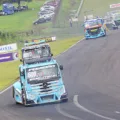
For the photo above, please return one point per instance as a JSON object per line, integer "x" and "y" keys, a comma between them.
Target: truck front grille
{"x": 45, "y": 87}
{"x": 94, "y": 31}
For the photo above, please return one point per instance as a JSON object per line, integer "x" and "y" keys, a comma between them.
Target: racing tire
{"x": 13, "y": 92}
{"x": 17, "y": 103}
{"x": 64, "y": 100}
{"x": 104, "y": 35}
{"x": 23, "y": 99}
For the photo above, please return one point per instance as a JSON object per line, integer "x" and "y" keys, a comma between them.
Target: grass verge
{"x": 21, "y": 21}
{"x": 9, "y": 70}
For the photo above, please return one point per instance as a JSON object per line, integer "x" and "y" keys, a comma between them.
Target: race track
{"x": 92, "y": 78}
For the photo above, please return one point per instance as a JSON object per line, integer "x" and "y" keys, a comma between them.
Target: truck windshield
{"x": 42, "y": 73}
{"x": 36, "y": 53}
{"x": 92, "y": 23}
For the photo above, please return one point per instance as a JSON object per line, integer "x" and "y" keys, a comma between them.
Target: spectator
{"x": 70, "y": 21}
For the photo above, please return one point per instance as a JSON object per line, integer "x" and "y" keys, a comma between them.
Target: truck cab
{"x": 94, "y": 28}
{"x": 35, "y": 52}
{"x": 40, "y": 82}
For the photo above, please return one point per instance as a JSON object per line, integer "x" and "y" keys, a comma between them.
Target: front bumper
{"x": 94, "y": 36}
{"x": 53, "y": 98}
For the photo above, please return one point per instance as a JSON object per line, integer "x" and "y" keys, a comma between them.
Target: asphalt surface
{"x": 92, "y": 78}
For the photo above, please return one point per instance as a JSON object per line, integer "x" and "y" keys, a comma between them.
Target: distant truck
{"x": 115, "y": 16}
{"x": 7, "y": 9}
{"x": 40, "y": 77}
{"x": 110, "y": 23}
{"x": 94, "y": 27}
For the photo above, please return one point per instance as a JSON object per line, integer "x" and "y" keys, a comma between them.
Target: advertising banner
{"x": 8, "y": 48}
{"x": 47, "y": 39}
{"x": 8, "y": 57}
{"x": 115, "y": 5}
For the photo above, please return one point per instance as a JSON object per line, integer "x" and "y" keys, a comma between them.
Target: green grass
{"x": 61, "y": 45}
{"x": 9, "y": 70}
{"x": 66, "y": 7}
{"x": 8, "y": 73}
{"x": 21, "y": 21}
{"x": 99, "y": 7}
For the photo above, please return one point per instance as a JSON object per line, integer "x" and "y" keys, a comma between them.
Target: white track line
{"x": 75, "y": 100}
{"x": 48, "y": 119}
{"x": 66, "y": 114}
{"x": 55, "y": 57}
{"x": 5, "y": 90}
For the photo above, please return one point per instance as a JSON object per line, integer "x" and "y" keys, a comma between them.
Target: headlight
{"x": 31, "y": 96}
{"x": 62, "y": 90}
{"x": 102, "y": 32}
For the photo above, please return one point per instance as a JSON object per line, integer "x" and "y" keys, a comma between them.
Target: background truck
{"x": 110, "y": 23}
{"x": 40, "y": 81}
{"x": 94, "y": 27}
{"x": 115, "y": 16}
{"x": 7, "y": 9}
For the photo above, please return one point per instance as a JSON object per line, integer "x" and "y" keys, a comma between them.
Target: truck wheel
{"x": 65, "y": 100}
{"x": 17, "y": 103}
{"x": 23, "y": 98}
{"x": 13, "y": 92}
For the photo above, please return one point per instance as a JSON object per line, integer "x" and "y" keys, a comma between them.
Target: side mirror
{"x": 22, "y": 73}
{"x": 61, "y": 67}
{"x": 21, "y": 60}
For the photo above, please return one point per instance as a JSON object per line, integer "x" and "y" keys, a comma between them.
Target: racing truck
{"x": 110, "y": 23}
{"x": 94, "y": 27}
{"x": 40, "y": 78}
{"x": 115, "y": 16}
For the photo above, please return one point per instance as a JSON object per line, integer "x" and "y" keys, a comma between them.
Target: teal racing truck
{"x": 40, "y": 77}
